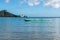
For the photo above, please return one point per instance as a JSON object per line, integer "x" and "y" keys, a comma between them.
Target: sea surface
{"x": 18, "y": 29}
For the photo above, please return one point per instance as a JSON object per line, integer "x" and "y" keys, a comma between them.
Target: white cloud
{"x": 36, "y": 2}
{"x": 30, "y": 2}
{"x": 33, "y": 2}
{"x": 7, "y": 1}
{"x": 52, "y": 3}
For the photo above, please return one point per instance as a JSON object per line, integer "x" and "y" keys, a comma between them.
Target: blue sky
{"x": 32, "y": 8}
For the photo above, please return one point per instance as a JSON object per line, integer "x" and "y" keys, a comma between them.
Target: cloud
{"x": 30, "y": 2}
{"x": 7, "y": 1}
{"x": 52, "y": 3}
{"x": 33, "y": 2}
{"x": 36, "y": 2}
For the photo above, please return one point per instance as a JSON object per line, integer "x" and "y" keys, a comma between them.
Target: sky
{"x": 32, "y": 8}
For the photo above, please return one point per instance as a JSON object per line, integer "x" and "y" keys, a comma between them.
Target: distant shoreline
{"x": 5, "y": 13}
{"x": 29, "y": 17}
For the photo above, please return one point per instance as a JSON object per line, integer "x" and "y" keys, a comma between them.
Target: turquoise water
{"x": 18, "y": 29}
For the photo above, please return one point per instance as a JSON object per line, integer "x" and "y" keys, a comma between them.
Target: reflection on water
{"x": 18, "y": 29}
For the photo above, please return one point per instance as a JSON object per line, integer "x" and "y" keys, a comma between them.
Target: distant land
{"x": 5, "y": 13}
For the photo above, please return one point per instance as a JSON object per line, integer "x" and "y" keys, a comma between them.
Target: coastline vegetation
{"x": 5, "y": 13}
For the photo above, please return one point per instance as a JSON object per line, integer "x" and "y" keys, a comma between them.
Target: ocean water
{"x": 18, "y": 29}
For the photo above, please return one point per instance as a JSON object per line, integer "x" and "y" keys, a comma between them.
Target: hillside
{"x": 5, "y": 13}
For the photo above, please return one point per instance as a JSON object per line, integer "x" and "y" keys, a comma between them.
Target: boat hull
{"x": 34, "y": 20}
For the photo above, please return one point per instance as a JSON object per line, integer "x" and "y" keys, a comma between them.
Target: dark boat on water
{"x": 27, "y": 20}
{"x": 36, "y": 20}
